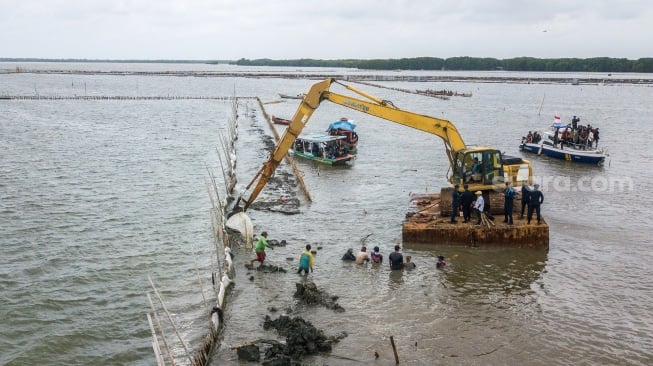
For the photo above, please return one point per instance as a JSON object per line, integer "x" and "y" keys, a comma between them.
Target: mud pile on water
{"x": 265, "y": 268}
{"x": 280, "y": 194}
{"x": 308, "y": 292}
{"x": 302, "y": 339}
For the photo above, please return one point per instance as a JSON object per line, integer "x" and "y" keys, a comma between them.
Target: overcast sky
{"x": 324, "y": 29}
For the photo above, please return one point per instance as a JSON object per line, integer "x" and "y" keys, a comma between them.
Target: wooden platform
{"x": 424, "y": 224}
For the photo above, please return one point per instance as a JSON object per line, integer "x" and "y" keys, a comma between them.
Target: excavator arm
{"x": 372, "y": 105}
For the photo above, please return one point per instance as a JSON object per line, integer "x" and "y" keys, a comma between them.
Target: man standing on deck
{"x": 535, "y": 200}
{"x": 479, "y": 205}
{"x": 509, "y": 195}
{"x": 455, "y": 201}
{"x": 525, "y": 190}
{"x": 466, "y": 200}
{"x": 260, "y": 249}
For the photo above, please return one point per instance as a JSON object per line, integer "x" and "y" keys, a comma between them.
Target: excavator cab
{"x": 478, "y": 167}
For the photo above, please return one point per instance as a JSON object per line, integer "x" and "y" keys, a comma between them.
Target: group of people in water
{"x": 307, "y": 257}
{"x": 573, "y": 134}
{"x": 395, "y": 259}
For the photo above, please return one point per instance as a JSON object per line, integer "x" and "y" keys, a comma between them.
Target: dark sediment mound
{"x": 281, "y": 192}
{"x": 302, "y": 339}
{"x": 311, "y": 295}
{"x": 276, "y": 243}
{"x": 265, "y": 268}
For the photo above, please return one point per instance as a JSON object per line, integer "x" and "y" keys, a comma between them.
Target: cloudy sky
{"x": 324, "y": 29}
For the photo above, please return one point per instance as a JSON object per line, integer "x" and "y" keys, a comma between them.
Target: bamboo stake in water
{"x": 163, "y": 335}
{"x": 172, "y": 322}
{"x": 394, "y": 349}
{"x": 155, "y": 343}
{"x": 199, "y": 280}
{"x": 541, "y": 104}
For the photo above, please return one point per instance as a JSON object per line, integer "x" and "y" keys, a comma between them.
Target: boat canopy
{"x": 343, "y": 125}
{"x": 320, "y": 138}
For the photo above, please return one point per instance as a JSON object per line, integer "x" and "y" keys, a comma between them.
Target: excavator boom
{"x": 372, "y": 105}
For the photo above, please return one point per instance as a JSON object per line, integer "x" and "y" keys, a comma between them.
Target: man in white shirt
{"x": 478, "y": 206}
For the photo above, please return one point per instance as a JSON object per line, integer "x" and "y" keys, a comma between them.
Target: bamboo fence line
{"x": 221, "y": 281}
{"x": 118, "y": 97}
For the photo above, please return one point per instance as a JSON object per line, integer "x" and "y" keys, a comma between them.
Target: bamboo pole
{"x": 155, "y": 343}
{"x": 218, "y": 233}
{"x": 394, "y": 349}
{"x": 163, "y": 335}
{"x": 199, "y": 281}
{"x": 172, "y": 322}
{"x": 541, "y": 104}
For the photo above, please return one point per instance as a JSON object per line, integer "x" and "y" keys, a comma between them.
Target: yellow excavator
{"x": 482, "y": 168}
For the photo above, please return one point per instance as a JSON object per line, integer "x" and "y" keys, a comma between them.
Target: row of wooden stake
{"x": 220, "y": 280}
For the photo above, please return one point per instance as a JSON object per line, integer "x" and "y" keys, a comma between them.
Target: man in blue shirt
{"x": 510, "y": 195}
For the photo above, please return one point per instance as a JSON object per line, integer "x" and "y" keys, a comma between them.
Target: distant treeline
{"x": 596, "y": 64}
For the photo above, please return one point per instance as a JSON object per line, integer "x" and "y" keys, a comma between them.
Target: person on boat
{"x": 535, "y": 199}
{"x": 509, "y": 196}
{"x": 574, "y": 122}
{"x": 441, "y": 263}
{"x": 529, "y": 137}
{"x": 306, "y": 261}
{"x": 590, "y": 138}
{"x": 536, "y": 137}
{"x": 479, "y": 205}
{"x": 409, "y": 265}
{"x": 396, "y": 259}
{"x": 455, "y": 202}
{"x": 353, "y": 138}
{"x": 596, "y": 137}
{"x": 259, "y": 249}
{"x": 349, "y": 255}
{"x": 466, "y": 200}
{"x": 376, "y": 257}
{"x": 362, "y": 256}
{"x": 525, "y": 190}
{"x": 574, "y": 137}
{"x": 582, "y": 138}
{"x": 299, "y": 146}
{"x": 330, "y": 154}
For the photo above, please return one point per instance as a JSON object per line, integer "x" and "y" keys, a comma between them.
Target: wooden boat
{"x": 280, "y": 121}
{"x": 287, "y": 96}
{"x": 325, "y": 149}
{"x": 565, "y": 151}
{"x": 344, "y": 127}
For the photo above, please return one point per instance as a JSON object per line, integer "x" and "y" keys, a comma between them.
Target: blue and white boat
{"x": 565, "y": 151}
